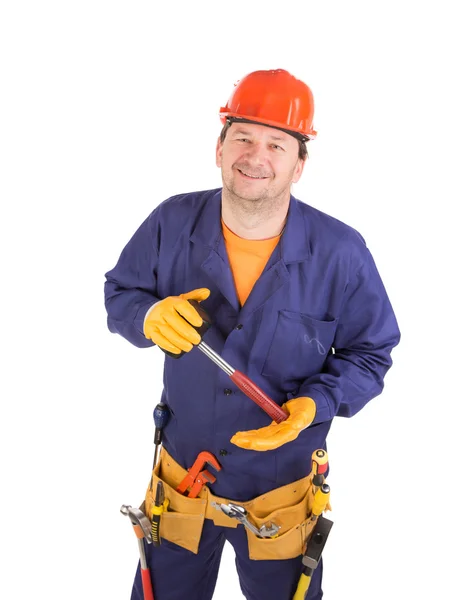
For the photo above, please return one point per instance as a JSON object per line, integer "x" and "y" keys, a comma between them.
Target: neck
{"x": 250, "y": 221}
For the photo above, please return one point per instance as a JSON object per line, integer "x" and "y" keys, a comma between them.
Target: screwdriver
{"x": 246, "y": 385}
{"x": 321, "y": 489}
{"x": 161, "y": 415}
{"x": 319, "y": 462}
{"x": 321, "y": 501}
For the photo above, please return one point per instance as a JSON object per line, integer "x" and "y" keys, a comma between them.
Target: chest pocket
{"x": 299, "y": 347}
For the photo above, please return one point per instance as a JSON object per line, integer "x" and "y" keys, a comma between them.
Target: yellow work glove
{"x": 302, "y": 412}
{"x": 165, "y": 326}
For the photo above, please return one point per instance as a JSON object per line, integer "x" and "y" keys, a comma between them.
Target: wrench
{"x": 239, "y": 512}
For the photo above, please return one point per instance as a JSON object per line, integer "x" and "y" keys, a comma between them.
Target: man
{"x": 296, "y": 304}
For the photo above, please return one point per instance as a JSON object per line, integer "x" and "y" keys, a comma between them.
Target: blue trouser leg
{"x": 178, "y": 574}
{"x": 269, "y": 579}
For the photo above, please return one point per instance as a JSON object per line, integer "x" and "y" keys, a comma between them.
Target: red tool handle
{"x": 252, "y": 390}
{"x": 146, "y": 581}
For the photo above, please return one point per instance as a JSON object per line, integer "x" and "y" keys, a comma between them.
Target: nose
{"x": 256, "y": 153}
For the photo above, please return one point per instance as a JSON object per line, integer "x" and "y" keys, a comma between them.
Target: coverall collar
{"x": 294, "y": 241}
{"x": 293, "y": 247}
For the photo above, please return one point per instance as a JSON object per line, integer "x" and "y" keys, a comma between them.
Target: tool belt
{"x": 288, "y": 506}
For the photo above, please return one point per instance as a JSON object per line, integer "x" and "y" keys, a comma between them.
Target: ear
{"x": 298, "y": 170}
{"x": 219, "y": 153}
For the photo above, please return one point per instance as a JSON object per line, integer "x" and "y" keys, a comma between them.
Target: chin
{"x": 248, "y": 195}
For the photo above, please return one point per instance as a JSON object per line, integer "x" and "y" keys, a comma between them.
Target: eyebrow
{"x": 246, "y": 132}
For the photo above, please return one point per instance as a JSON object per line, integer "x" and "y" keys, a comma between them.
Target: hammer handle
{"x": 251, "y": 389}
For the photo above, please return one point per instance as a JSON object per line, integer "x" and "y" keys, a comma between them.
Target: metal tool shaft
{"x": 220, "y": 362}
{"x": 235, "y": 511}
{"x": 246, "y": 385}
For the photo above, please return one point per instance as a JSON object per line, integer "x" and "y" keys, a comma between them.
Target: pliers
{"x": 160, "y": 506}
{"x": 198, "y": 477}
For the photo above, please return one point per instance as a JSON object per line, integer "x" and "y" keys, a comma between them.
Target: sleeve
{"x": 366, "y": 333}
{"x": 130, "y": 287}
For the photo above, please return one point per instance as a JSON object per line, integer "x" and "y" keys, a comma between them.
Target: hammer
{"x": 142, "y": 527}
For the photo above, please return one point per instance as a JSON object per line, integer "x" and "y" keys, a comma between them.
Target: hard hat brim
{"x": 226, "y": 115}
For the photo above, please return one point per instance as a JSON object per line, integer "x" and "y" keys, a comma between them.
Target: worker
{"x": 296, "y": 303}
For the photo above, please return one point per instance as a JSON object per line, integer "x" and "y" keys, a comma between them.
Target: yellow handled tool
{"x": 160, "y": 506}
{"x": 321, "y": 490}
{"x": 319, "y": 466}
{"x": 312, "y": 556}
{"x": 319, "y": 535}
{"x": 321, "y": 501}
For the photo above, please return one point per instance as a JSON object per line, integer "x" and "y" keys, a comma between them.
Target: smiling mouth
{"x": 248, "y": 176}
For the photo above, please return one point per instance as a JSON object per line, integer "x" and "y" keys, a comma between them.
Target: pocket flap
{"x": 287, "y": 545}
{"x": 182, "y": 523}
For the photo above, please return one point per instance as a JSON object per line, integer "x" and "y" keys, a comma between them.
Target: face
{"x": 258, "y": 162}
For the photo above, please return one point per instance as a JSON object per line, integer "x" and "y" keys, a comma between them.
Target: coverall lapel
{"x": 208, "y": 233}
{"x": 293, "y": 247}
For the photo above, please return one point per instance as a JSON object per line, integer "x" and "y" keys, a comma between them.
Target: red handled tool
{"x": 198, "y": 477}
{"x": 142, "y": 529}
{"x": 321, "y": 490}
{"x": 246, "y": 385}
{"x": 319, "y": 464}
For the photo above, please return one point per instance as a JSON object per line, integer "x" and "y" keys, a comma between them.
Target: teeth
{"x": 252, "y": 176}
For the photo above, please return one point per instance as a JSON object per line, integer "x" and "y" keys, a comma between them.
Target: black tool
{"x": 312, "y": 556}
{"x": 161, "y": 416}
{"x": 206, "y": 324}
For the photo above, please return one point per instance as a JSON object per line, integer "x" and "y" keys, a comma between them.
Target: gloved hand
{"x": 302, "y": 412}
{"x": 165, "y": 326}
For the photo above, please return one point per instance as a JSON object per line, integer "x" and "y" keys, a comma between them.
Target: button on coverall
{"x": 317, "y": 323}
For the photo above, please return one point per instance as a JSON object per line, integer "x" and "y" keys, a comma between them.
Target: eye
{"x": 277, "y": 147}
{"x": 243, "y": 140}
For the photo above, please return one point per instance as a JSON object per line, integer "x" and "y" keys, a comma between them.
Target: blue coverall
{"x": 317, "y": 323}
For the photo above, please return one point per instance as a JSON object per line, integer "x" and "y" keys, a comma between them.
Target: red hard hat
{"x": 274, "y": 98}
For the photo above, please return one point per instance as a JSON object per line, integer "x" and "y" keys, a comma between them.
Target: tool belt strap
{"x": 288, "y": 505}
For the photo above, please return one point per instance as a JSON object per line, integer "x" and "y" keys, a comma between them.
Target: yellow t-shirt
{"x": 247, "y": 259}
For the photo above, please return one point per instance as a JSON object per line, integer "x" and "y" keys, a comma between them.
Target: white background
{"x": 108, "y": 108}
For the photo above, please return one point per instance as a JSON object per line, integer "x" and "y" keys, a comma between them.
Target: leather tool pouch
{"x": 288, "y": 506}
{"x": 183, "y": 521}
